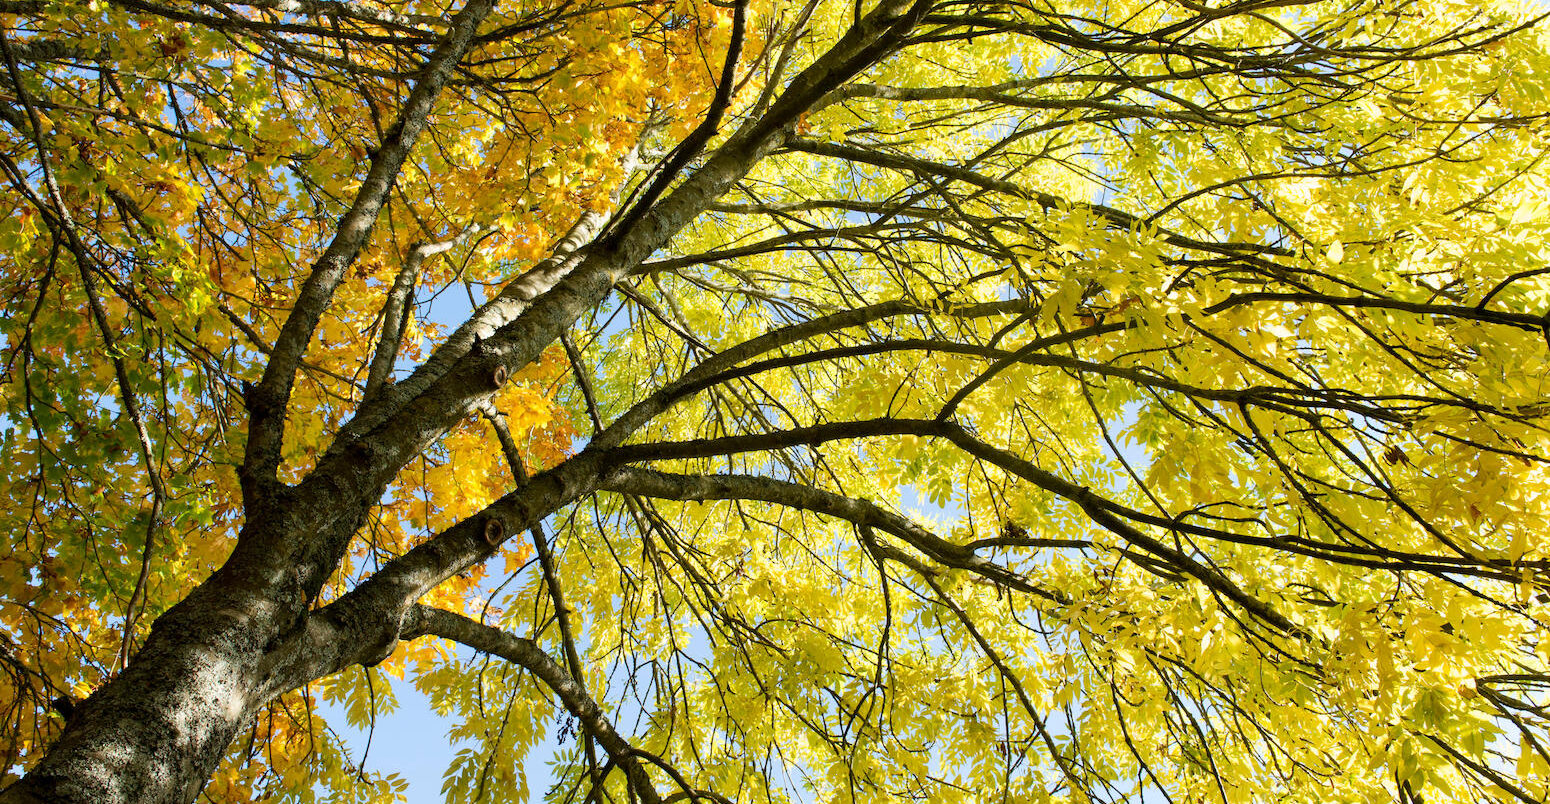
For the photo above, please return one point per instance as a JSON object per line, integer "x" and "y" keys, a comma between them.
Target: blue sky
{"x": 412, "y": 742}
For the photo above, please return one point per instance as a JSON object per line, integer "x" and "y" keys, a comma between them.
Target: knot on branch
{"x": 494, "y": 531}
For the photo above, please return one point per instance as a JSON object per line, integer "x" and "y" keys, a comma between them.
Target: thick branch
{"x": 1111, "y": 516}
{"x": 862, "y": 513}
{"x": 272, "y": 395}
{"x": 395, "y": 313}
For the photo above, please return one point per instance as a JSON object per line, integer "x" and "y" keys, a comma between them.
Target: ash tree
{"x": 856, "y": 401}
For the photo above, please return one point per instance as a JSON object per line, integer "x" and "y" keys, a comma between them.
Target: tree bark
{"x": 157, "y": 732}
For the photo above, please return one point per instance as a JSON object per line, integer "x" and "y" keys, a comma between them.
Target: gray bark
{"x": 157, "y": 731}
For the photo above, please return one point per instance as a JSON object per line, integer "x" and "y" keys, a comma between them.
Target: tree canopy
{"x": 910, "y": 400}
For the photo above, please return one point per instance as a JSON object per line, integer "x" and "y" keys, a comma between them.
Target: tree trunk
{"x": 157, "y": 731}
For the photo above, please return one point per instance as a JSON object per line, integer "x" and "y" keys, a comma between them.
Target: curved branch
{"x": 862, "y": 513}
{"x": 426, "y": 620}
{"x": 1101, "y": 511}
